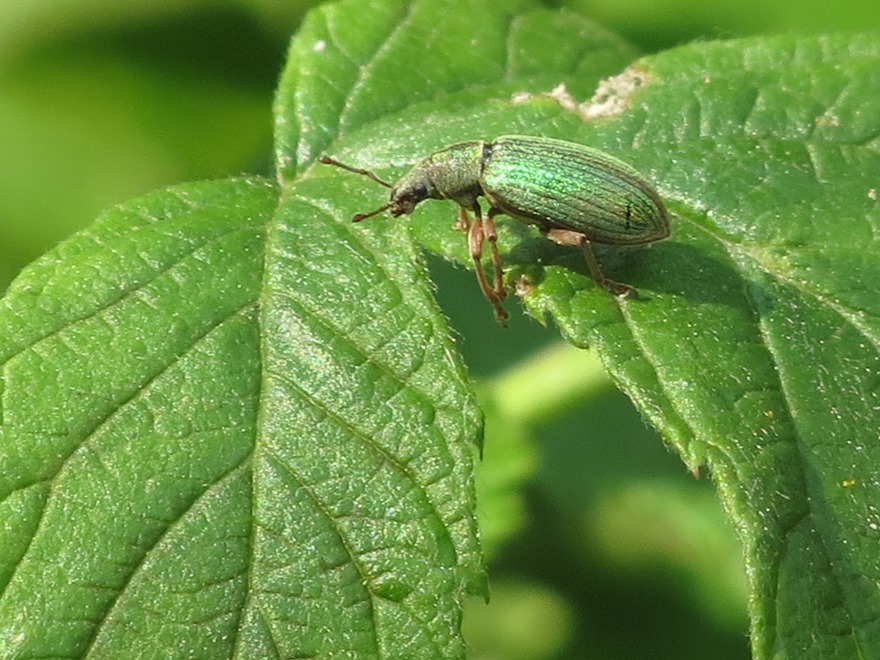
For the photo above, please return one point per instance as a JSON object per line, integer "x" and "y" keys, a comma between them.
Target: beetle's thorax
{"x": 451, "y": 173}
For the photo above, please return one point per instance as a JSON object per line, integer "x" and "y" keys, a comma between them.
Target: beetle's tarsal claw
{"x": 619, "y": 289}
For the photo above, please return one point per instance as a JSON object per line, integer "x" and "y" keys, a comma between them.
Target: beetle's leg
{"x": 464, "y": 222}
{"x": 492, "y": 236}
{"x": 617, "y": 288}
{"x": 576, "y": 239}
{"x": 475, "y": 244}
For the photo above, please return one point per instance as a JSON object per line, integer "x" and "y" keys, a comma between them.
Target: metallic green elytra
{"x": 574, "y": 194}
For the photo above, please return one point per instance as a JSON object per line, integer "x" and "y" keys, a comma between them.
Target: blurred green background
{"x": 621, "y": 553}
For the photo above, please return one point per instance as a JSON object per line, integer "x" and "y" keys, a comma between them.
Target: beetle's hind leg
{"x": 476, "y": 234}
{"x": 576, "y": 239}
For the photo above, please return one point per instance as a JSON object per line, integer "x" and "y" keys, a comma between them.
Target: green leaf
{"x": 219, "y": 438}
{"x": 754, "y": 345}
{"x": 235, "y": 423}
{"x": 390, "y": 81}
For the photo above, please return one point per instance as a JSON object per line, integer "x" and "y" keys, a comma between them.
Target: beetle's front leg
{"x": 476, "y": 235}
{"x": 577, "y": 239}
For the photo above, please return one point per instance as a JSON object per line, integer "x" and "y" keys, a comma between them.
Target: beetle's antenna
{"x": 326, "y": 160}
{"x": 364, "y": 216}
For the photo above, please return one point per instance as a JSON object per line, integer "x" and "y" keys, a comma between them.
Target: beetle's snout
{"x": 402, "y": 205}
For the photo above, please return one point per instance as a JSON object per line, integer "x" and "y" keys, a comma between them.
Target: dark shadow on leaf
{"x": 667, "y": 267}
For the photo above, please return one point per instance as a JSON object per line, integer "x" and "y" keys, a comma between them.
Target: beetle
{"x": 574, "y": 194}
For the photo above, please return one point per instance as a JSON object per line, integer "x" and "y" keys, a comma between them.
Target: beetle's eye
{"x": 420, "y": 191}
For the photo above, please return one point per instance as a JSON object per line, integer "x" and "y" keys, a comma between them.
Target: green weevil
{"x": 574, "y": 194}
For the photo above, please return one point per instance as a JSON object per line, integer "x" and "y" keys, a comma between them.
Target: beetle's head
{"x": 409, "y": 191}
{"x": 414, "y": 187}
